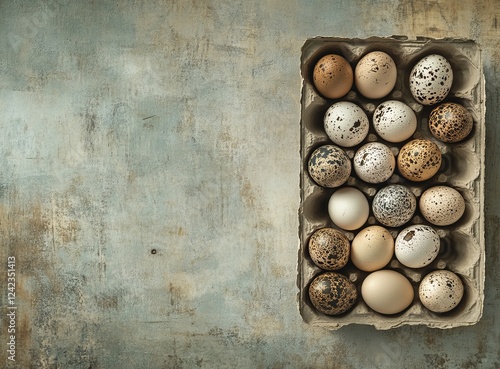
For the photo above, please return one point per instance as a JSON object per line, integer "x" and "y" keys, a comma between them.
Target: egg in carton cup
{"x": 396, "y": 200}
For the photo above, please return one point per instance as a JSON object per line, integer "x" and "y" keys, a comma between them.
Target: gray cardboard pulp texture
{"x": 462, "y": 244}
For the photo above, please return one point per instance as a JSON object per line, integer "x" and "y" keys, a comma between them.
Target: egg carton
{"x": 462, "y": 249}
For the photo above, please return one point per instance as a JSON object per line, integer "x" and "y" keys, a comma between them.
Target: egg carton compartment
{"x": 462, "y": 248}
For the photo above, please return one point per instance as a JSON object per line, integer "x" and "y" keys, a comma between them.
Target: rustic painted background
{"x": 149, "y": 183}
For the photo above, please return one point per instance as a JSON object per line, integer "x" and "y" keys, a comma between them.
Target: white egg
{"x": 387, "y": 291}
{"x": 417, "y": 246}
{"x": 394, "y": 121}
{"x": 346, "y": 124}
{"x": 431, "y": 79}
{"x": 372, "y": 248}
{"x": 442, "y": 205}
{"x": 374, "y": 162}
{"x": 441, "y": 291}
{"x": 348, "y": 208}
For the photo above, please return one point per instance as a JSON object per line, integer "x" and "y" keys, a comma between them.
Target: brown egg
{"x": 332, "y": 293}
{"x": 333, "y": 76}
{"x": 419, "y": 160}
{"x": 329, "y": 248}
{"x": 450, "y": 122}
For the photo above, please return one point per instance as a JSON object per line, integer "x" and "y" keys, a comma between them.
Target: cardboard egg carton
{"x": 462, "y": 244}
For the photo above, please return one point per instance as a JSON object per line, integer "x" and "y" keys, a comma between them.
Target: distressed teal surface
{"x": 149, "y": 183}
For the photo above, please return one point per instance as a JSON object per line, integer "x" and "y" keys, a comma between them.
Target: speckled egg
{"x": 442, "y": 205}
{"x": 372, "y": 248}
{"x": 374, "y": 162}
{"x": 346, "y": 124}
{"x": 450, "y": 122}
{"x": 375, "y": 75}
{"x": 394, "y": 121}
{"x": 332, "y": 293}
{"x": 417, "y": 246}
{"x": 333, "y": 76}
{"x": 394, "y": 205}
{"x": 441, "y": 291}
{"x": 329, "y": 248}
{"x": 329, "y": 166}
{"x": 431, "y": 79}
{"x": 419, "y": 160}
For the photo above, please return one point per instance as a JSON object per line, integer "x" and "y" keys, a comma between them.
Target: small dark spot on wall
{"x": 90, "y": 121}
{"x": 437, "y": 361}
{"x": 107, "y": 302}
{"x": 153, "y": 251}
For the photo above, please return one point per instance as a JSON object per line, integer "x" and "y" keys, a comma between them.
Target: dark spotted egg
{"x": 329, "y": 248}
{"x": 450, "y": 122}
{"x": 394, "y": 205}
{"x": 431, "y": 79}
{"x": 329, "y": 166}
{"x": 419, "y": 160}
{"x": 332, "y": 293}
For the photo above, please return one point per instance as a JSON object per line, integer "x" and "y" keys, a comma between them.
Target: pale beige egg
{"x": 387, "y": 291}
{"x": 442, "y": 205}
{"x": 375, "y": 75}
{"x": 372, "y": 248}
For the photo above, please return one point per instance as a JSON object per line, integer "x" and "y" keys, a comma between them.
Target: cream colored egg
{"x": 442, "y": 205}
{"x": 372, "y": 248}
{"x": 387, "y": 291}
{"x": 375, "y": 75}
{"x": 348, "y": 208}
{"x": 441, "y": 291}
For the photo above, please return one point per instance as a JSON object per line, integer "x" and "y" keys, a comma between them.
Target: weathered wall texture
{"x": 149, "y": 173}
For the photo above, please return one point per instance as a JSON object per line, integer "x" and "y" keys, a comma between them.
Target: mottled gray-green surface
{"x": 149, "y": 183}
